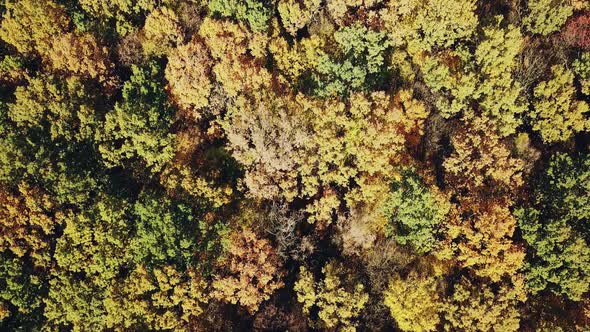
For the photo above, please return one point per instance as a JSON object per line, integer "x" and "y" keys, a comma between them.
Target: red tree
{"x": 577, "y": 31}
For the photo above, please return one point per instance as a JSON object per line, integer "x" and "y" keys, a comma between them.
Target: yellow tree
{"x": 295, "y": 15}
{"x": 80, "y": 54}
{"x": 64, "y": 108}
{"x": 481, "y": 306}
{"x": 500, "y": 94}
{"x": 161, "y": 32}
{"x": 27, "y": 223}
{"x": 292, "y": 61}
{"x": 480, "y": 161}
{"x": 163, "y": 298}
{"x": 249, "y": 274}
{"x": 239, "y": 56}
{"x": 31, "y": 25}
{"x": 413, "y": 302}
{"x": 547, "y": 16}
{"x": 483, "y": 242}
{"x": 557, "y": 115}
{"x": 188, "y": 75}
{"x": 443, "y": 22}
{"x": 339, "y": 301}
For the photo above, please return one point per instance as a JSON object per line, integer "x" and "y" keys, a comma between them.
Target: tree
{"x": 96, "y": 241}
{"x": 165, "y": 231}
{"x": 559, "y": 260}
{"x": 74, "y": 303}
{"x": 188, "y": 74}
{"x": 501, "y": 94}
{"x": 339, "y": 8}
{"x": 112, "y": 7}
{"x": 577, "y": 32}
{"x": 443, "y": 22}
{"x": 31, "y": 25}
{"x": 483, "y": 242}
{"x": 481, "y": 306}
{"x": 81, "y": 55}
{"x": 294, "y": 61}
{"x": 413, "y": 302}
{"x": 547, "y": 16}
{"x": 558, "y": 252}
{"x": 161, "y": 32}
{"x": 480, "y": 160}
{"x": 416, "y": 213}
{"x": 27, "y": 224}
{"x": 125, "y": 13}
{"x": 239, "y": 66}
{"x": 581, "y": 67}
{"x": 480, "y": 82}
{"x": 250, "y": 273}
{"x": 296, "y": 15}
{"x": 161, "y": 298}
{"x": 557, "y": 115}
{"x": 63, "y": 108}
{"x": 266, "y": 136}
{"x": 338, "y": 302}
{"x": 48, "y": 127}
{"x": 453, "y": 89}
{"x": 137, "y": 130}
{"x": 399, "y": 21}
{"x": 13, "y": 70}
{"x": 253, "y": 12}
{"x": 54, "y": 166}
{"x": 21, "y": 291}
{"x": 362, "y": 66}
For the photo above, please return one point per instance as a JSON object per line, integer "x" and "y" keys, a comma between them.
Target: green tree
{"x": 65, "y": 109}
{"x": 416, "y": 213}
{"x": 250, "y": 11}
{"x": 559, "y": 254}
{"x": 362, "y": 54}
{"x": 165, "y": 230}
{"x": 136, "y": 133}
{"x": 581, "y": 67}
{"x": 21, "y": 291}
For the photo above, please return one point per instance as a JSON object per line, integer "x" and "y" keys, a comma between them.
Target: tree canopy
{"x": 294, "y": 165}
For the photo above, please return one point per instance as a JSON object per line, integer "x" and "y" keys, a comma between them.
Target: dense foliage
{"x": 337, "y": 165}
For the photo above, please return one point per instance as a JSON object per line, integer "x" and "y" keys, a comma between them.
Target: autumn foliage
{"x": 294, "y": 165}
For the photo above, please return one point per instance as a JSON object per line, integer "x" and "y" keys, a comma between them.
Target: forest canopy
{"x": 294, "y": 165}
